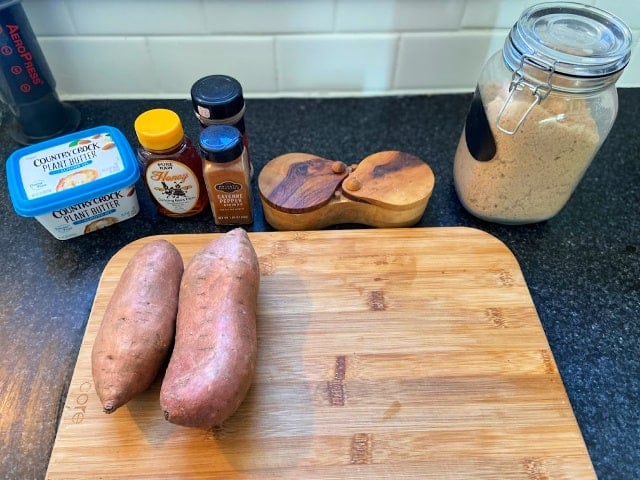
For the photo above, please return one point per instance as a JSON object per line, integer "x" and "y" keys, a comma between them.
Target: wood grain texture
{"x": 300, "y": 191}
{"x": 397, "y": 353}
{"x": 391, "y": 179}
{"x": 300, "y": 182}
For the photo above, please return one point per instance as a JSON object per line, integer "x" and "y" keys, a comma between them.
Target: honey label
{"x": 174, "y": 185}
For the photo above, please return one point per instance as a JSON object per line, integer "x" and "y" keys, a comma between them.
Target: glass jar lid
{"x": 578, "y": 40}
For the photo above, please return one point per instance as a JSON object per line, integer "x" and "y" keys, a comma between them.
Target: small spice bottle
{"x": 170, "y": 164}
{"x": 218, "y": 100}
{"x": 226, "y": 174}
{"x": 543, "y": 106}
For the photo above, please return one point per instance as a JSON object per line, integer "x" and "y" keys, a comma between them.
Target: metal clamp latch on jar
{"x": 539, "y": 91}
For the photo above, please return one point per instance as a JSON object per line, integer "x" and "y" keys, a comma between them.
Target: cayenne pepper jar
{"x": 543, "y": 106}
{"x": 218, "y": 100}
{"x": 226, "y": 174}
{"x": 170, "y": 164}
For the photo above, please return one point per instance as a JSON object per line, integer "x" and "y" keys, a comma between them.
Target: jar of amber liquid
{"x": 227, "y": 175}
{"x": 170, "y": 164}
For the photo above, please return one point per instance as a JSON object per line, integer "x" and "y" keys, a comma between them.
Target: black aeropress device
{"x": 27, "y": 85}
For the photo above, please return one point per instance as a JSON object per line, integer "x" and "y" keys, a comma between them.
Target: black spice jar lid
{"x": 220, "y": 143}
{"x": 217, "y": 96}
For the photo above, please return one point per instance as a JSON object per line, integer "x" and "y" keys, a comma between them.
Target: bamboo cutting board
{"x": 397, "y": 354}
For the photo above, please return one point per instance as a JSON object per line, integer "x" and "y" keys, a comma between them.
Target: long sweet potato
{"x": 214, "y": 358}
{"x": 137, "y": 330}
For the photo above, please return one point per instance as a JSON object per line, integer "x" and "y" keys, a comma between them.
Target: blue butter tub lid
{"x": 69, "y": 170}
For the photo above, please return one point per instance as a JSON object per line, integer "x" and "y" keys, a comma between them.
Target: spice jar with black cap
{"x": 226, "y": 175}
{"x": 219, "y": 100}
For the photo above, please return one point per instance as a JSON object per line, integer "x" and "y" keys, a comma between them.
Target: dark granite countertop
{"x": 582, "y": 267}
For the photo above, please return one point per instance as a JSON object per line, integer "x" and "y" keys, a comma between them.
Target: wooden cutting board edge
{"x": 410, "y": 232}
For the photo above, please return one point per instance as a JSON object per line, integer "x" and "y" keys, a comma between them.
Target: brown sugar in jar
{"x": 227, "y": 175}
{"x": 542, "y": 108}
{"x": 533, "y": 173}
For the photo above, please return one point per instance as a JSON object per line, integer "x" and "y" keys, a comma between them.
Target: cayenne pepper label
{"x": 232, "y": 204}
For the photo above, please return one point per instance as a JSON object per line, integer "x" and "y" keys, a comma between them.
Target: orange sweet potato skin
{"x": 214, "y": 358}
{"x": 137, "y": 330}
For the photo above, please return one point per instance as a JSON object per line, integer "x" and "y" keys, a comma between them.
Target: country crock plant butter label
{"x": 68, "y": 165}
{"x": 92, "y": 215}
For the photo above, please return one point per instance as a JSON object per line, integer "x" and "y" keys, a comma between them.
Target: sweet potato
{"x": 138, "y": 327}
{"x": 214, "y": 358}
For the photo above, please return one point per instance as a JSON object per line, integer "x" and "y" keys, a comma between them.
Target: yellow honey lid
{"x": 159, "y": 129}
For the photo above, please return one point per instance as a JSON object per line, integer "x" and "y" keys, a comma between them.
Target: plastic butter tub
{"x": 75, "y": 184}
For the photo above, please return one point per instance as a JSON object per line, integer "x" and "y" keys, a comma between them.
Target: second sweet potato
{"x": 214, "y": 357}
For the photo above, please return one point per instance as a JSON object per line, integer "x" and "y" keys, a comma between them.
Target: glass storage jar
{"x": 542, "y": 108}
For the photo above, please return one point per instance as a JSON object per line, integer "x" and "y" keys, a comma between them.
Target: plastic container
{"x": 543, "y": 106}
{"x": 170, "y": 164}
{"x": 75, "y": 184}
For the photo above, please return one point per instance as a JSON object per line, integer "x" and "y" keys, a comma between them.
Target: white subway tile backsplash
{"x": 336, "y": 63}
{"x": 178, "y": 62}
{"x": 398, "y": 15}
{"x": 49, "y": 18}
{"x": 137, "y": 17}
{"x": 156, "y": 48}
{"x": 441, "y": 62}
{"x": 259, "y": 16}
{"x": 100, "y": 67}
